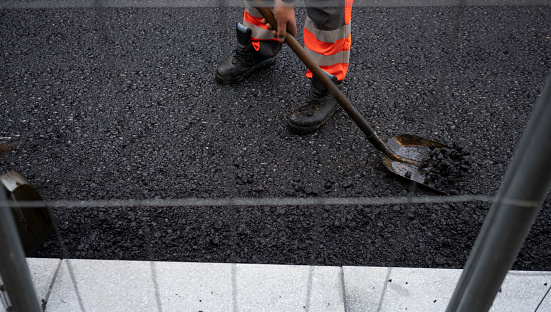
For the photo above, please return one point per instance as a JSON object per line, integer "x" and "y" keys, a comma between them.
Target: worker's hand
{"x": 286, "y": 21}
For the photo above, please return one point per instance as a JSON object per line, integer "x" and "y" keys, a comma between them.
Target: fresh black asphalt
{"x": 121, "y": 103}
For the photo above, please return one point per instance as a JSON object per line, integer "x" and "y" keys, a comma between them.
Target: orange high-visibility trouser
{"x": 327, "y": 34}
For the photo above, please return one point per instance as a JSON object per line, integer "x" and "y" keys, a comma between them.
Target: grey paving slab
{"x": 42, "y": 272}
{"x": 524, "y": 291}
{"x": 195, "y": 286}
{"x": 103, "y": 286}
{"x": 363, "y": 287}
{"x": 417, "y": 289}
{"x": 289, "y": 288}
{"x": 398, "y": 289}
{"x": 249, "y": 287}
{"x": 546, "y": 301}
{"x": 129, "y": 286}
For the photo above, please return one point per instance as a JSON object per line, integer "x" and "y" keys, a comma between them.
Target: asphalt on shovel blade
{"x": 414, "y": 148}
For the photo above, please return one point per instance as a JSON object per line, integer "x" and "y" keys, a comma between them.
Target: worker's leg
{"x": 256, "y": 49}
{"x": 327, "y": 38}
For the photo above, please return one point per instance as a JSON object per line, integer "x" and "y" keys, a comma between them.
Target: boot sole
{"x": 231, "y": 80}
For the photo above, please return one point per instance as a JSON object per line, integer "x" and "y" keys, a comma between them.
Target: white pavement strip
{"x": 43, "y": 272}
{"x": 409, "y": 289}
{"x": 128, "y": 286}
{"x": 39, "y": 4}
{"x": 107, "y": 285}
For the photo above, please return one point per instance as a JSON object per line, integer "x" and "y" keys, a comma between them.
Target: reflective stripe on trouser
{"x": 262, "y": 39}
{"x": 327, "y": 35}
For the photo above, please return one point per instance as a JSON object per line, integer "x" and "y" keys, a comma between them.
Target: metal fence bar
{"x": 13, "y": 266}
{"x": 507, "y": 224}
{"x": 265, "y": 201}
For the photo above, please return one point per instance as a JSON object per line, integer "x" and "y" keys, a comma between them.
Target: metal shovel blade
{"x": 413, "y": 148}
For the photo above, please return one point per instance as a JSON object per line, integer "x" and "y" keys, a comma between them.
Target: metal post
{"x": 13, "y": 266}
{"x": 511, "y": 216}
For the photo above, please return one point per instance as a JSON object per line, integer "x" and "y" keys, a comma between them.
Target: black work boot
{"x": 320, "y": 106}
{"x": 244, "y": 61}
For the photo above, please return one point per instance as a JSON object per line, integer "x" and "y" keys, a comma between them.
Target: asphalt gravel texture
{"x": 121, "y": 103}
{"x": 447, "y": 169}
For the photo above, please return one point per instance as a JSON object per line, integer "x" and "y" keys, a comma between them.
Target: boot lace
{"x": 312, "y": 104}
{"x": 240, "y": 56}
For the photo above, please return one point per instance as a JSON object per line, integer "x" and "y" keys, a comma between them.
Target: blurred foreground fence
{"x": 505, "y": 228}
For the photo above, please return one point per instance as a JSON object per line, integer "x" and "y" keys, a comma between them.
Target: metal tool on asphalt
{"x": 33, "y": 224}
{"x": 402, "y": 154}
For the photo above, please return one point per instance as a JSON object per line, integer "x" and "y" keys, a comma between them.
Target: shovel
{"x": 402, "y": 154}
